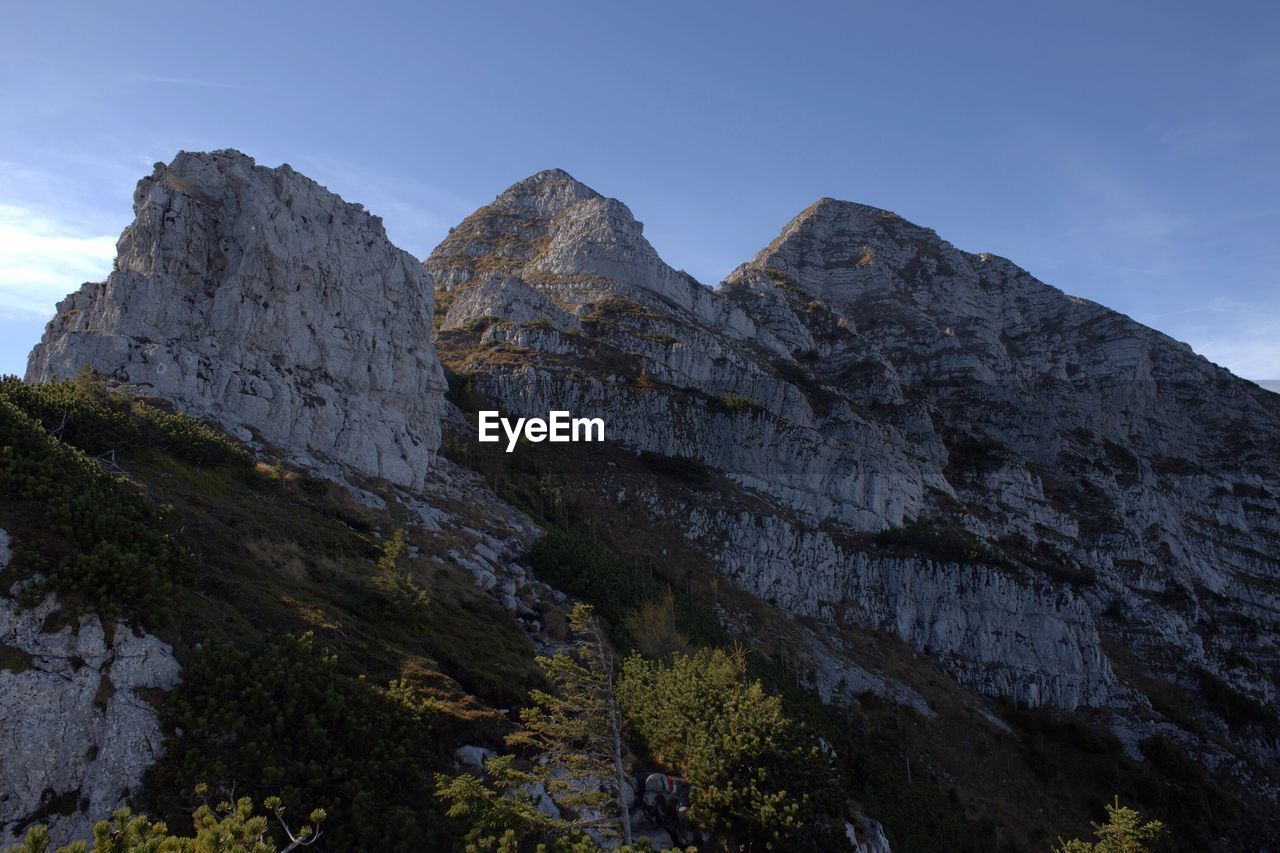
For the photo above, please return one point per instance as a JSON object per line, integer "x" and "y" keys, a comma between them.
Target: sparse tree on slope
{"x": 1124, "y": 832}
{"x": 757, "y": 780}
{"x": 575, "y": 737}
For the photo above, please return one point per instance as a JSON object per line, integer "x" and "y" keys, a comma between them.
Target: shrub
{"x": 789, "y": 371}
{"x": 574, "y": 738}
{"x": 1124, "y": 832}
{"x": 683, "y": 468}
{"x": 104, "y": 547}
{"x": 736, "y": 405}
{"x": 83, "y": 414}
{"x": 317, "y": 487}
{"x": 615, "y": 305}
{"x": 224, "y": 827}
{"x": 1238, "y": 710}
{"x": 284, "y": 722}
{"x": 393, "y": 580}
{"x": 459, "y": 387}
{"x": 653, "y": 627}
{"x": 591, "y": 572}
{"x": 755, "y": 778}
{"x": 923, "y": 539}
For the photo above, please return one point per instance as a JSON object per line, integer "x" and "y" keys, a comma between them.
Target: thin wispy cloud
{"x": 1251, "y": 352}
{"x": 193, "y": 82}
{"x": 1201, "y": 273}
{"x": 42, "y": 260}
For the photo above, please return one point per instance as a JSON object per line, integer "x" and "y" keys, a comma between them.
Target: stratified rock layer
{"x": 259, "y": 299}
{"x": 946, "y": 448}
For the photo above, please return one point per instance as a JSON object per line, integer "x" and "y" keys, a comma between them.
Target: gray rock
{"x": 1101, "y": 475}
{"x": 473, "y": 757}
{"x": 73, "y": 719}
{"x": 259, "y": 299}
{"x": 867, "y": 835}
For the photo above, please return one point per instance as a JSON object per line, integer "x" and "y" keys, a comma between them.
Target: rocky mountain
{"x": 862, "y": 376}
{"x": 1053, "y": 502}
{"x": 257, "y": 298}
{"x": 911, "y": 481}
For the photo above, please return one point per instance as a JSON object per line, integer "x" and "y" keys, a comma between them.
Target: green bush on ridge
{"x": 84, "y": 414}
{"x": 100, "y": 544}
{"x": 756, "y": 778}
{"x": 282, "y": 721}
{"x": 103, "y": 546}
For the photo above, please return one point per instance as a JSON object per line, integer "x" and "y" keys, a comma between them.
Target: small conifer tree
{"x": 1124, "y": 832}
{"x": 575, "y": 738}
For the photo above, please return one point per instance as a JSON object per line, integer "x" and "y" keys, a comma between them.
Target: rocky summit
{"x": 259, "y": 299}
{"x": 945, "y": 508}
{"x": 862, "y": 376}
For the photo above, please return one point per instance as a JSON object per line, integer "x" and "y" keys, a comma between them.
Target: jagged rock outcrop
{"x": 946, "y": 447}
{"x": 259, "y": 299}
{"x": 551, "y": 245}
{"x": 77, "y": 727}
{"x": 1077, "y": 442}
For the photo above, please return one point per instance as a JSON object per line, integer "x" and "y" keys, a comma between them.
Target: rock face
{"x": 77, "y": 730}
{"x": 919, "y": 439}
{"x": 257, "y": 298}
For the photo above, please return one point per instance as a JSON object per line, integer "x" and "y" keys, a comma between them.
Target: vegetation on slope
{"x": 402, "y": 658}
{"x": 960, "y": 780}
{"x": 283, "y": 720}
{"x": 100, "y": 544}
{"x": 404, "y": 651}
{"x": 650, "y": 608}
{"x": 220, "y": 828}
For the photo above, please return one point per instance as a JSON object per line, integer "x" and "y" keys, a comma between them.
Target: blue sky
{"x": 1125, "y": 152}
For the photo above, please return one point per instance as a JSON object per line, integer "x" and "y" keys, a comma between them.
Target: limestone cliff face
{"x": 553, "y": 250}
{"x": 862, "y": 376}
{"x": 76, "y": 728}
{"x": 257, "y": 298}
{"x": 1077, "y": 442}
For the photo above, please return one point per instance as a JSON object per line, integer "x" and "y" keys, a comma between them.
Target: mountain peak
{"x": 549, "y": 175}
{"x": 836, "y": 242}
{"x": 837, "y": 218}
{"x": 835, "y": 207}
{"x": 233, "y": 276}
{"x": 546, "y": 193}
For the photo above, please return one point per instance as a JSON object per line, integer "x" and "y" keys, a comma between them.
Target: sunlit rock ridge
{"x": 257, "y": 298}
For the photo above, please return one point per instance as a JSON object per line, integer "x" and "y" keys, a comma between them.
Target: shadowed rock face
{"x": 1100, "y": 475}
{"x": 257, "y": 298}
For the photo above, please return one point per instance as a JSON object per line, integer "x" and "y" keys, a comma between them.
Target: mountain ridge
{"x": 884, "y": 462}
{"x": 862, "y": 319}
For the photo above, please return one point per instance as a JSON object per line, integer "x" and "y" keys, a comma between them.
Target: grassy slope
{"x": 273, "y": 554}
